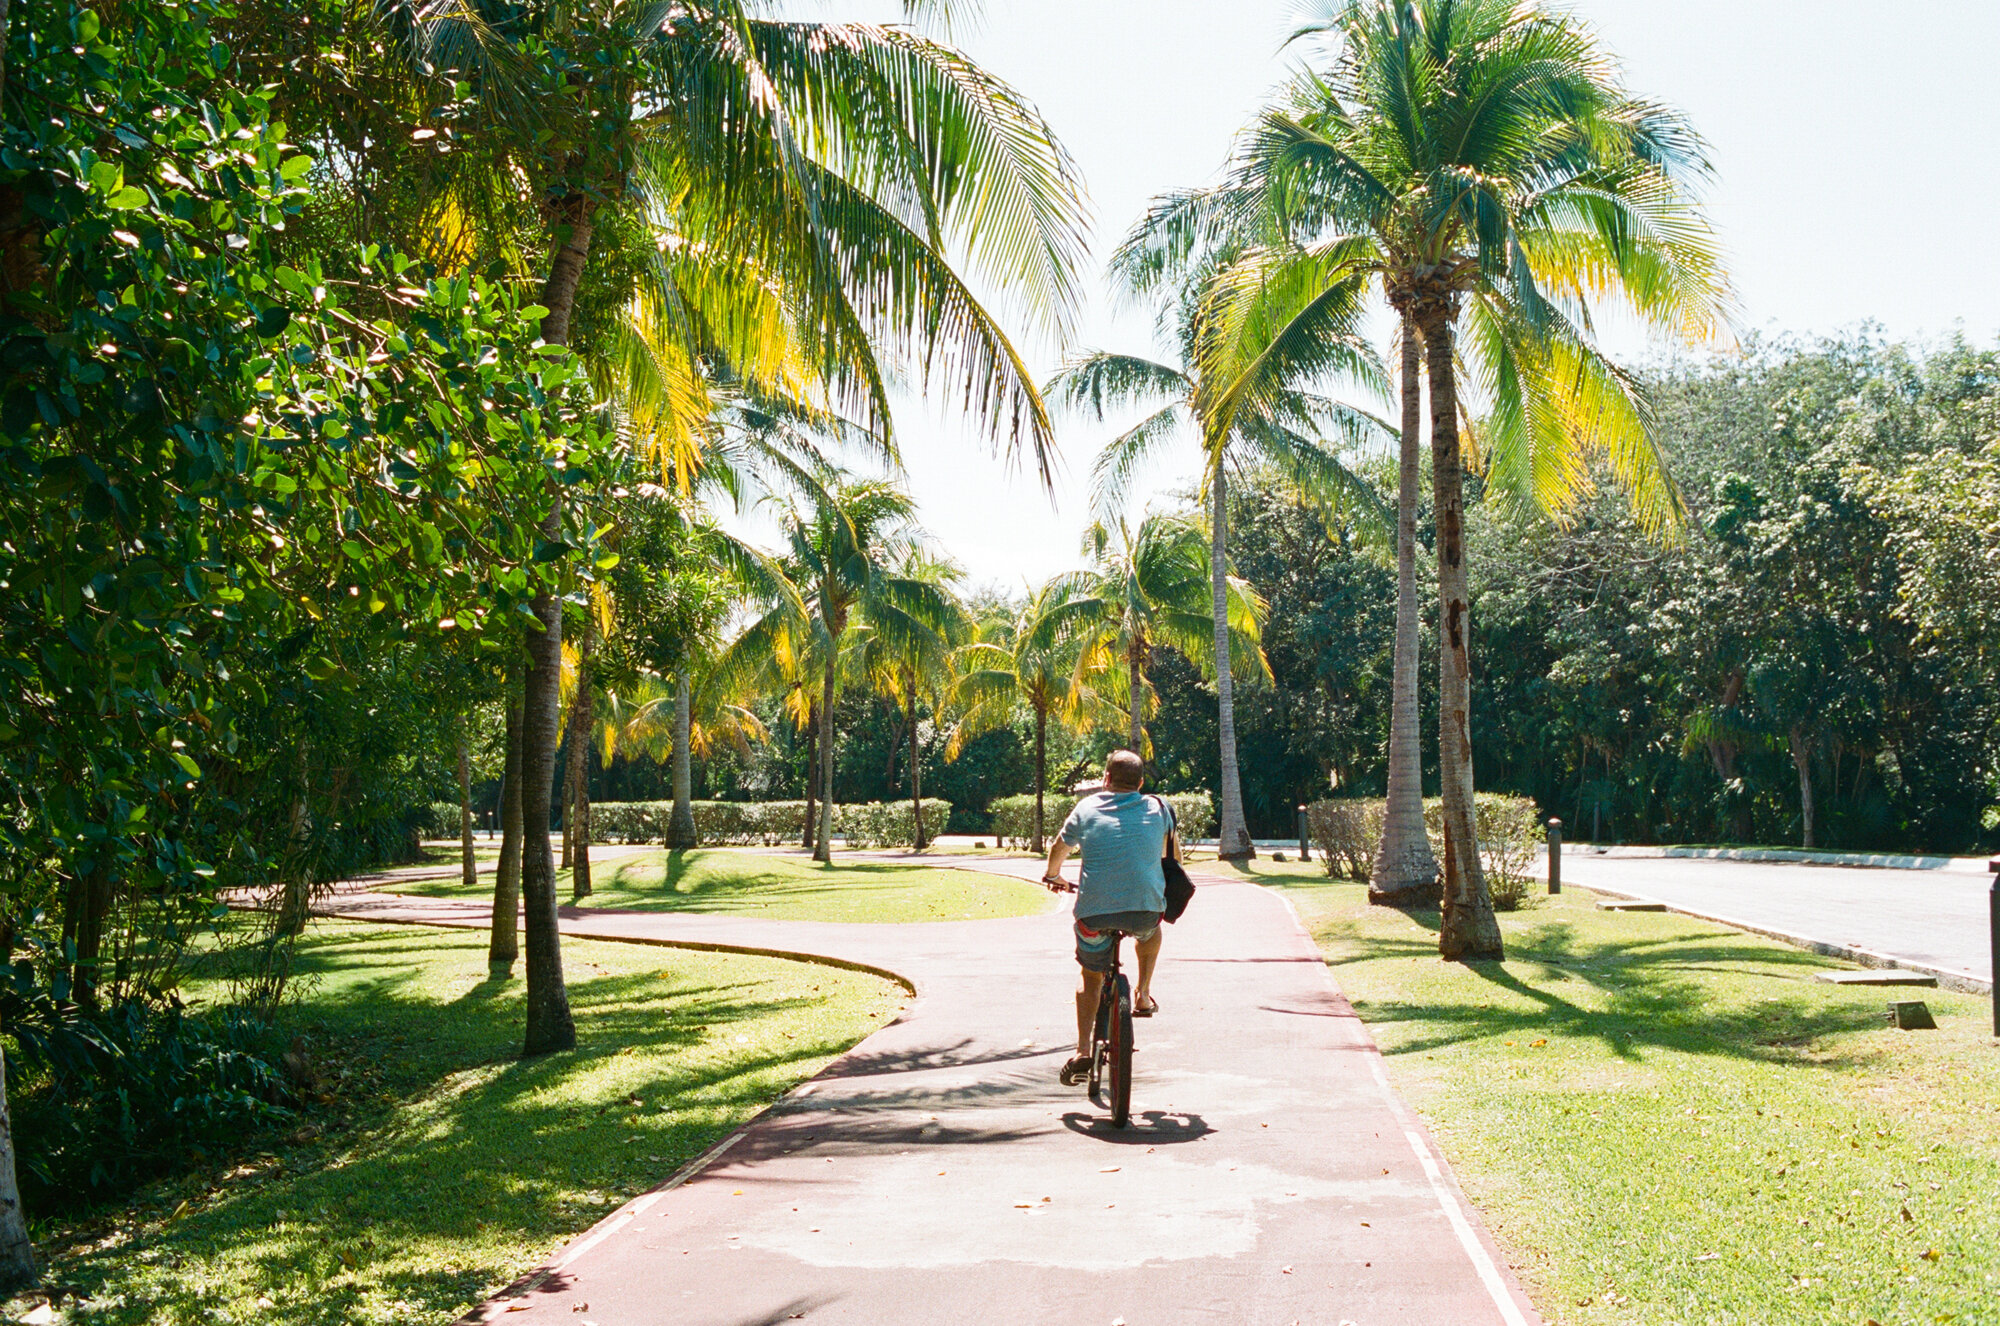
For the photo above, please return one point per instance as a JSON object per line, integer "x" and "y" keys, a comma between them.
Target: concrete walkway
{"x": 937, "y": 1173}
{"x": 1932, "y": 920}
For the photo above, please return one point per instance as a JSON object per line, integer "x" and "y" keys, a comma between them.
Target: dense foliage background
{"x": 1822, "y": 601}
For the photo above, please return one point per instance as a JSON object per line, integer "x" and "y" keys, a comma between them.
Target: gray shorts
{"x": 1095, "y": 935}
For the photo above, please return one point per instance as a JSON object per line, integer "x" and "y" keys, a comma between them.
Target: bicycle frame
{"x": 1111, "y": 1040}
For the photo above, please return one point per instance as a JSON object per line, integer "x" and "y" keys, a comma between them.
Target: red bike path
{"x": 938, "y": 1173}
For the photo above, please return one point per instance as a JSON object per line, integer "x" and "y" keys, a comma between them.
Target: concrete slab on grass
{"x": 1887, "y": 976}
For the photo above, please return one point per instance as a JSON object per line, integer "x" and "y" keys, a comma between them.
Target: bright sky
{"x": 1856, "y": 159}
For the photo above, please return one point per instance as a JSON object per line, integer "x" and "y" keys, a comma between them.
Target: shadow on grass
{"x": 1629, "y": 993}
{"x": 444, "y": 1155}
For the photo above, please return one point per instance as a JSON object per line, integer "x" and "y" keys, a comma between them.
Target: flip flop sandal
{"x": 1138, "y": 1012}
{"x": 1077, "y": 1069}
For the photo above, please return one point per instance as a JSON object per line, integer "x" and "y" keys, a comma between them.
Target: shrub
{"x": 1508, "y": 828}
{"x": 888, "y": 823}
{"x": 1347, "y": 832}
{"x": 136, "y": 1090}
{"x": 766, "y": 823}
{"x": 1014, "y": 817}
{"x": 440, "y": 820}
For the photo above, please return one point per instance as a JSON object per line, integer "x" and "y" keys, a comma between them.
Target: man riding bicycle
{"x": 1120, "y": 834}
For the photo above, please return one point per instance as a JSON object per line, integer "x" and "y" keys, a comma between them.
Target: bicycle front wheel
{"x": 1121, "y": 1057}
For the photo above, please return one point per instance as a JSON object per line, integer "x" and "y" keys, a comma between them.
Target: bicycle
{"x": 1111, "y": 1040}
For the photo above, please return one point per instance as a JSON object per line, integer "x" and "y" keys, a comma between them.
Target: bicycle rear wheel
{"x": 1121, "y": 1056}
{"x": 1100, "y": 1043}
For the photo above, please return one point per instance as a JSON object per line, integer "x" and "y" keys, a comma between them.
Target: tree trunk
{"x": 1135, "y": 686}
{"x": 1041, "y": 772}
{"x": 91, "y": 895}
{"x": 812, "y": 777}
{"x": 823, "y": 846}
{"x": 568, "y": 805}
{"x": 294, "y": 897}
{"x": 17, "y": 1253}
{"x": 505, "y": 946}
{"x": 549, "y": 1026}
{"x": 1802, "y": 761}
{"x": 1406, "y": 874}
{"x": 468, "y": 863}
{"x": 1467, "y": 927}
{"x": 582, "y": 710}
{"x": 1232, "y": 836}
{"x": 680, "y": 824}
{"x": 916, "y": 772}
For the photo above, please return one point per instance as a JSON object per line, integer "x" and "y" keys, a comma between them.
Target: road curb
{"x": 1963, "y": 982}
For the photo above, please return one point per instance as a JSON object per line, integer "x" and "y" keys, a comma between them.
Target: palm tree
{"x": 678, "y": 719}
{"x": 1025, "y": 661}
{"x": 1151, "y": 587}
{"x": 849, "y": 552}
{"x": 1281, "y": 425}
{"x": 1479, "y": 159}
{"x": 835, "y": 164}
{"x": 915, "y": 668}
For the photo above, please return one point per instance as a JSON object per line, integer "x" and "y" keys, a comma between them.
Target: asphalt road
{"x": 1934, "y": 917}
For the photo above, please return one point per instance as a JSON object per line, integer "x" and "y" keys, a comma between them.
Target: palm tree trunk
{"x": 916, "y": 772}
{"x": 568, "y": 806}
{"x": 505, "y": 945}
{"x": 1467, "y": 927}
{"x": 1233, "y": 837}
{"x": 1406, "y": 874}
{"x": 1802, "y": 761}
{"x": 1041, "y": 771}
{"x": 823, "y": 846}
{"x": 1135, "y": 687}
{"x": 812, "y": 777}
{"x": 548, "y": 1024}
{"x": 680, "y": 824}
{"x": 468, "y": 863}
{"x": 582, "y": 711}
{"x": 17, "y": 1253}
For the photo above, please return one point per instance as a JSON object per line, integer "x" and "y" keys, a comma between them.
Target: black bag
{"x": 1180, "y": 889}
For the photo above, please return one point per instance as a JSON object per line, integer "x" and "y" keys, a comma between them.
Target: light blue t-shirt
{"x": 1120, "y": 837}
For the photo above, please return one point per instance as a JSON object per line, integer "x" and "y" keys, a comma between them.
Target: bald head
{"x": 1124, "y": 771}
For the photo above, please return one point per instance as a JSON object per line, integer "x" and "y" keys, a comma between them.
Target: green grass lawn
{"x": 1668, "y": 1121}
{"x": 787, "y": 888}
{"x": 439, "y": 1167}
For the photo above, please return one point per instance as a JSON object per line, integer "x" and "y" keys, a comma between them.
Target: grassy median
{"x": 1667, "y": 1121}
{"x": 434, "y": 1166}
{"x": 784, "y": 888}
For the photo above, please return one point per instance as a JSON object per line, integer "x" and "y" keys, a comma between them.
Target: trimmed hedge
{"x": 1014, "y": 817}
{"x": 1348, "y": 831}
{"x": 766, "y": 823}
